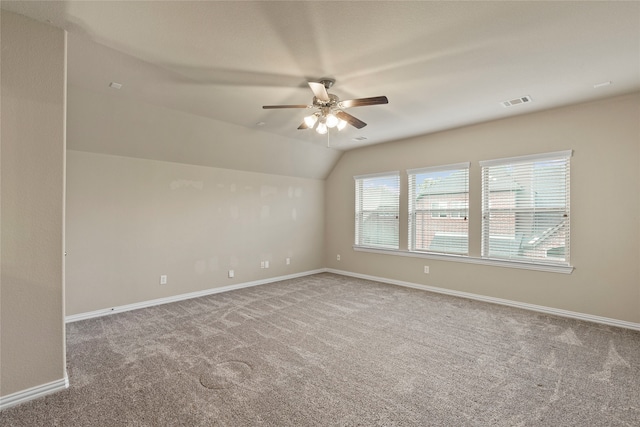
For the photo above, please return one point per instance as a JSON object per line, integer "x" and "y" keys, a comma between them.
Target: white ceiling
{"x": 441, "y": 64}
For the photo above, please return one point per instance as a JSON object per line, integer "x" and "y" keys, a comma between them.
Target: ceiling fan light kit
{"x": 311, "y": 120}
{"x": 330, "y": 112}
{"x": 321, "y": 128}
{"x": 331, "y": 120}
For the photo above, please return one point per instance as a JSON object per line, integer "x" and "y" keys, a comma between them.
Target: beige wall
{"x": 605, "y": 206}
{"x": 130, "y": 220}
{"x": 32, "y": 177}
{"x": 109, "y": 121}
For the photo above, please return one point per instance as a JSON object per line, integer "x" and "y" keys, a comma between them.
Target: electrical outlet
{"x": 338, "y": 257}
{"x": 426, "y": 269}
{"x": 266, "y": 264}
{"x": 231, "y": 274}
{"x": 288, "y": 261}
{"x": 261, "y": 264}
{"x": 163, "y": 279}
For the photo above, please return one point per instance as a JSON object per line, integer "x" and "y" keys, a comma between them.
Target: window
{"x": 525, "y": 208}
{"x": 439, "y": 209}
{"x": 377, "y": 210}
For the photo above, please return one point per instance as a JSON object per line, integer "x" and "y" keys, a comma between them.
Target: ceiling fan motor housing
{"x": 333, "y": 101}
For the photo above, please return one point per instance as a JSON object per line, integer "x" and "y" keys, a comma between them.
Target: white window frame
{"x": 436, "y": 215}
{"x": 360, "y": 210}
{"x": 487, "y": 210}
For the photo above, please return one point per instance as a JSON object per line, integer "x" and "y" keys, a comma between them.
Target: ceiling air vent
{"x": 512, "y": 102}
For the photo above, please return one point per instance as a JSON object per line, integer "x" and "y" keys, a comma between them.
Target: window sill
{"x": 550, "y": 268}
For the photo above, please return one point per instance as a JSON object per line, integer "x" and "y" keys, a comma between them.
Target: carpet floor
{"x": 328, "y": 350}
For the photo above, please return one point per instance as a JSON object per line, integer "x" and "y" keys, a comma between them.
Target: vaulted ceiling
{"x": 441, "y": 64}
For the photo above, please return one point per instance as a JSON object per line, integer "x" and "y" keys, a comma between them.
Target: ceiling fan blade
{"x": 303, "y": 126}
{"x": 271, "y": 107}
{"x": 319, "y": 91}
{"x": 355, "y": 122}
{"x": 362, "y": 102}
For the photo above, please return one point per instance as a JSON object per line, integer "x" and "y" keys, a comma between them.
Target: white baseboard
{"x": 33, "y": 393}
{"x": 532, "y": 307}
{"x": 181, "y": 297}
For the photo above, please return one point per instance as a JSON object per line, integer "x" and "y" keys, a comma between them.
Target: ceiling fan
{"x": 329, "y": 109}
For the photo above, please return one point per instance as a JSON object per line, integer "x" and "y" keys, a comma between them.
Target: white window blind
{"x": 377, "y": 210}
{"x": 439, "y": 209}
{"x": 525, "y": 208}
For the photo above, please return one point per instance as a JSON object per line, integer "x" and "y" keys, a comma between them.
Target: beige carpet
{"x": 328, "y": 350}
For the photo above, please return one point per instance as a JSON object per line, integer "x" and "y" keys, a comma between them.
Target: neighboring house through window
{"x": 377, "y": 210}
{"x": 439, "y": 209}
{"x": 525, "y": 208}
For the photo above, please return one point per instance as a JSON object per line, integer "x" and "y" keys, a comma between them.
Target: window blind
{"x": 439, "y": 209}
{"x": 525, "y": 208}
{"x": 377, "y": 210}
